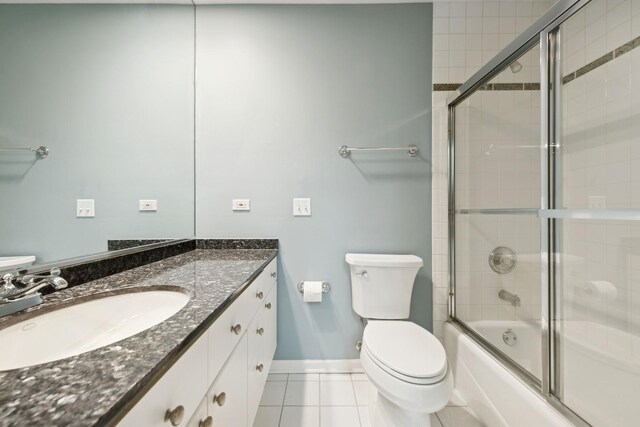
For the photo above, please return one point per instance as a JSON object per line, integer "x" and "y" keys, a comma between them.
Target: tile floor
{"x": 331, "y": 400}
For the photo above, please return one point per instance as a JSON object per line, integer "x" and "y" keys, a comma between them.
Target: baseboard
{"x": 315, "y": 366}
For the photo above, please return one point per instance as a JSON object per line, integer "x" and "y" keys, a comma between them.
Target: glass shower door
{"x": 596, "y": 225}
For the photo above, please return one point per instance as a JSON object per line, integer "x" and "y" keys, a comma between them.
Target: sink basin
{"x": 85, "y": 326}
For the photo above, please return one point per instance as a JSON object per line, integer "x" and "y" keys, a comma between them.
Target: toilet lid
{"x": 405, "y": 348}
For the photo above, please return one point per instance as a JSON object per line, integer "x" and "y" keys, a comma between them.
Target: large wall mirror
{"x": 109, "y": 90}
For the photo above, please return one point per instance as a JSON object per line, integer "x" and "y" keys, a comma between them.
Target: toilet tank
{"x": 381, "y": 284}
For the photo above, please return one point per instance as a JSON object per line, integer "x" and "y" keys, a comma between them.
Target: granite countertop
{"x": 93, "y": 388}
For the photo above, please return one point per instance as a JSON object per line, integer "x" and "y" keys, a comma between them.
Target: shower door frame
{"x": 545, "y": 33}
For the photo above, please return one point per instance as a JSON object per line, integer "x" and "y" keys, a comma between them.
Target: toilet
{"x": 406, "y": 365}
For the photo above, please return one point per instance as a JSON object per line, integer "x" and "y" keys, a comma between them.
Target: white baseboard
{"x": 315, "y": 366}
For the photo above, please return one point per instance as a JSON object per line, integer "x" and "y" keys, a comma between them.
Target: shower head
{"x": 515, "y": 67}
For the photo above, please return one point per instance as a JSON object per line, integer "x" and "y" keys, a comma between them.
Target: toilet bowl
{"x": 407, "y": 366}
{"x": 409, "y": 373}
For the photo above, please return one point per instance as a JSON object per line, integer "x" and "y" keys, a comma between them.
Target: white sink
{"x": 85, "y": 326}
{"x": 15, "y": 262}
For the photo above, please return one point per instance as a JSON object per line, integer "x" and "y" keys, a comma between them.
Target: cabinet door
{"x": 183, "y": 385}
{"x": 270, "y": 325}
{"x": 227, "y": 397}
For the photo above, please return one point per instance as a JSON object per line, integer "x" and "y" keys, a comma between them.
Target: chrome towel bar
{"x": 345, "y": 151}
{"x": 42, "y": 151}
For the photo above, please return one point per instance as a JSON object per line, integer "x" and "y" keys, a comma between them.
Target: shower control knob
{"x": 174, "y": 416}
{"x": 236, "y": 329}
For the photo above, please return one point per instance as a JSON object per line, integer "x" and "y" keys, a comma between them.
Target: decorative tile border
{"x": 619, "y": 51}
{"x": 237, "y": 244}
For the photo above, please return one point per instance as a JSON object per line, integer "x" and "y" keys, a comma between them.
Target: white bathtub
{"x": 600, "y": 373}
{"x": 497, "y": 397}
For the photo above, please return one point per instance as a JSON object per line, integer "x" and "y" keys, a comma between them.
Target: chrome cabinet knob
{"x": 236, "y": 329}
{"x": 273, "y": 274}
{"x": 174, "y": 416}
{"x": 260, "y": 367}
{"x": 220, "y": 398}
{"x": 207, "y": 422}
{"x": 260, "y": 331}
{"x": 268, "y": 306}
{"x": 260, "y": 295}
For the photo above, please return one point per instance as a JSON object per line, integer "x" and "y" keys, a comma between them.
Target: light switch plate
{"x": 147, "y": 205}
{"x": 301, "y": 207}
{"x": 85, "y": 208}
{"x": 241, "y": 204}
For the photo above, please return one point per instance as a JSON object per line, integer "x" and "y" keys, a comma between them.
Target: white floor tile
{"x": 457, "y": 417}
{"x": 277, "y": 377}
{"x": 267, "y": 416}
{"x": 302, "y": 393}
{"x": 435, "y": 421}
{"x": 304, "y": 377}
{"x": 337, "y": 393}
{"x": 339, "y": 416}
{"x": 362, "y": 392}
{"x": 273, "y": 394}
{"x": 363, "y": 411}
{"x": 300, "y": 416}
{"x": 335, "y": 377}
{"x": 359, "y": 377}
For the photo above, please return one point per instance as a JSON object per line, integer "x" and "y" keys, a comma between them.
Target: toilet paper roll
{"x": 601, "y": 289}
{"x": 312, "y": 291}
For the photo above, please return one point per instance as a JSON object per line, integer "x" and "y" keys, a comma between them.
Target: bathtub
{"x": 496, "y": 396}
{"x": 600, "y": 374}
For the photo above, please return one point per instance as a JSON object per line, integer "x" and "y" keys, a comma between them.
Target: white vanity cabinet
{"x": 219, "y": 380}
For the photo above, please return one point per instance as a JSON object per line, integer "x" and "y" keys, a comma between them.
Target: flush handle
{"x": 174, "y": 416}
{"x": 220, "y": 398}
{"x": 236, "y": 329}
{"x": 363, "y": 273}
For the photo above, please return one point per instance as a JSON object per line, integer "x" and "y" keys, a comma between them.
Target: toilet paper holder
{"x": 326, "y": 287}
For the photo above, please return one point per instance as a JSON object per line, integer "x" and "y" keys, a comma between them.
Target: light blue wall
{"x": 279, "y": 89}
{"x": 109, "y": 89}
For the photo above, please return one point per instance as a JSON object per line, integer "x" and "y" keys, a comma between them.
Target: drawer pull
{"x": 207, "y": 422}
{"x": 174, "y": 416}
{"x": 260, "y": 295}
{"x": 236, "y": 329}
{"x": 220, "y": 398}
{"x": 260, "y": 367}
{"x": 260, "y": 331}
{"x": 273, "y": 274}
{"x": 268, "y": 305}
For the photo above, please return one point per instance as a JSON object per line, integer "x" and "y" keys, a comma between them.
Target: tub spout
{"x": 507, "y": 296}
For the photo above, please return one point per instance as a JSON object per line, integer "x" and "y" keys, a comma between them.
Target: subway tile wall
{"x": 467, "y": 34}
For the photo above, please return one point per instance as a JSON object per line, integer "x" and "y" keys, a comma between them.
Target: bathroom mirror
{"x": 109, "y": 91}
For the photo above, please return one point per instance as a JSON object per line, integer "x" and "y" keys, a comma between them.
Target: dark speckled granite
{"x": 237, "y": 244}
{"x": 115, "y": 245}
{"x": 93, "y": 388}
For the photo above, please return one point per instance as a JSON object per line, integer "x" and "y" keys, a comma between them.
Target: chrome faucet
{"x": 507, "y": 296}
{"x": 17, "y": 298}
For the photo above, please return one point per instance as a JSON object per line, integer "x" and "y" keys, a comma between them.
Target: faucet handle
{"x": 8, "y": 282}
{"x": 30, "y": 278}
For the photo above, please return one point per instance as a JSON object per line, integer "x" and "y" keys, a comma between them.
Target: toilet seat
{"x": 405, "y": 351}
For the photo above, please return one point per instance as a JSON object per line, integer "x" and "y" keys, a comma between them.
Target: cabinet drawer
{"x": 182, "y": 385}
{"x": 262, "y": 344}
{"x": 262, "y": 285}
{"x": 200, "y": 416}
{"x": 227, "y": 397}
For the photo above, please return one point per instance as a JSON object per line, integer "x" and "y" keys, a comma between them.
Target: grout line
{"x": 284, "y": 396}
{"x": 355, "y": 398}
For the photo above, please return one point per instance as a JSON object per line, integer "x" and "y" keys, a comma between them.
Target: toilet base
{"x": 385, "y": 413}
